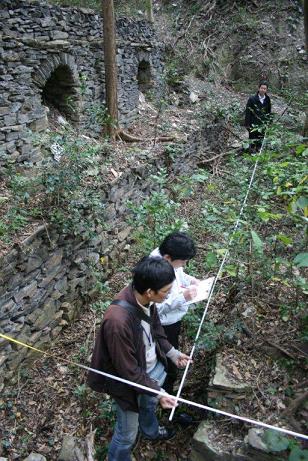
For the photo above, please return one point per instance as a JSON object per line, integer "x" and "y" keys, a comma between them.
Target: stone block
{"x": 35, "y": 457}
{"x": 33, "y": 263}
{"x": 16, "y": 358}
{"x": 40, "y": 124}
{"x": 4, "y": 110}
{"x": 12, "y": 136}
{"x": 56, "y": 331}
{"x": 40, "y": 318}
{"x": 61, "y": 285}
{"x": 43, "y": 339}
{"x": 68, "y": 311}
{"x": 59, "y": 35}
{"x": 78, "y": 281}
{"x": 24, "y": 118}
{"x": 3, "y": 359}
{"x": 225, "y": 380}
{"x": 124, "y": 234}
{"x": 71, "y": 445}
{"x": 49, "y": 277}
{"x": 206, "y": 446}
{"x": 26, "y": 292}
{"x": 54, "y": 261}
{"x": 24, "y": 334}
{"x": 10, "y": 119}
{"x": 8, "y": 309}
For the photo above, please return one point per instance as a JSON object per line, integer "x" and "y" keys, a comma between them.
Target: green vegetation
{"x": 156, "y": 216}
{"x": 66, "y": 192}
{"x": 277, "y": 442}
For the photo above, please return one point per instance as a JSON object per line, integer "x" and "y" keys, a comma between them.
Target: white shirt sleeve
{"x": 174, "y": 306}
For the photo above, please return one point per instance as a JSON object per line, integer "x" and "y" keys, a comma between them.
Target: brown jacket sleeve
{"x": 123, "y": 353}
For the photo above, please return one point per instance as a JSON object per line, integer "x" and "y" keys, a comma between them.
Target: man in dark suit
{"x": 258, "y": 110}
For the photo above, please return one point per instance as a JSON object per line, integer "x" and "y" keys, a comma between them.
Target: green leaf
{"x": 302, "y": 202}
{"x": 301, "y": 260}
{"x": 257, "y": 242}
{"x": 211, "y": 260}
{"x": 275, "y": 441}
{"x": 231, "y": 269}
{"x": 200, "y": 177}
{"x": 284, "y": 239}
{"x": 298, "y": 455}
{"x": 221, "y": 251}
{"x": 301, "y": 149}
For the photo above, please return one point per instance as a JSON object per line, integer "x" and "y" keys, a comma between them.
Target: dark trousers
{"x": 256, "y": 139}
{"x": 172, "y": 333}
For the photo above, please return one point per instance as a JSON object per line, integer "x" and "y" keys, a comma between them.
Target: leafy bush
{"x": 65, "y": 191}
{"x": 156, "y": 216}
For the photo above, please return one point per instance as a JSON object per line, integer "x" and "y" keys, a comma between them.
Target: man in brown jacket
{"x": 132, "y": 344}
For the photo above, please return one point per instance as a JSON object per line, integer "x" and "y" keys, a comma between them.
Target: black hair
{"x": 178, "y": 245}
{"x": 263, "y": 82}
{"x": 152, "y": 273}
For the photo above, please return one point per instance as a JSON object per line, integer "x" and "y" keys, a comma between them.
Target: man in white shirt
{"x": 177, "y": 248}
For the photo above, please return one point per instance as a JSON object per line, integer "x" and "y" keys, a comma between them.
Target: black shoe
{"x": 184, "y": 420}
{"x": 165, "y": 434}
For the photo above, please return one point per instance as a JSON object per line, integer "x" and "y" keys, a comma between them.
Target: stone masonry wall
{"x": 47, "y": 278}
{"x": 56, "y": 54}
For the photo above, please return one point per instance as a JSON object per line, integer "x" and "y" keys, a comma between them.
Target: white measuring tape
{"x": 216, "y": 278}
{"x": 159, "y": 393}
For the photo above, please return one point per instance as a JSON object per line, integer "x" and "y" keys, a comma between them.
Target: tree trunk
{"x": 305, "y": 133}
{"x": 111, "y": 80}
{"x": 306, "y": 23}
{"x": 149, "y": 10}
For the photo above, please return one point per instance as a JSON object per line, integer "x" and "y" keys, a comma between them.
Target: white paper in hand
{"x": 203, "y": 290}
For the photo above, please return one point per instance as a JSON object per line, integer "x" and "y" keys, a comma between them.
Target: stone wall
{"x": 47, "y": 278}
{"x": 52, "y": 56}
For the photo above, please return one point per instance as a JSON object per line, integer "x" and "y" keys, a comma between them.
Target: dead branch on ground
{"x": 279, "y": 348}
{"x": 184, "y": 33}
{"x": 124, "y": 136}
{"x": 209, "y": 160}
{"x": 90, "y": 450}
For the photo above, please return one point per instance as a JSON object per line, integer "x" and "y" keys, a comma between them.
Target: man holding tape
{"x": 132, "y": 344}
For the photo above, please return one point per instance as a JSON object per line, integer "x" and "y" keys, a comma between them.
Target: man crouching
{"x": 132, "y": 344}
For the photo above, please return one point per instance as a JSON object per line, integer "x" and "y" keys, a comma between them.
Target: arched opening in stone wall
{"x": 61, "y": 93}
{"x": 144, "y": 76}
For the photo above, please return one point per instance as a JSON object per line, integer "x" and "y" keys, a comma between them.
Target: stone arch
{"x": 144, "y": 76}
{"x": 58, "y": 82}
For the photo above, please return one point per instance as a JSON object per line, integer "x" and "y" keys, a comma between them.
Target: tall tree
{"x": 149, "y": 10}
{"x": 306, "y": 23}
{"x": 305, "y": 133}
{"x": 111, "y": 78}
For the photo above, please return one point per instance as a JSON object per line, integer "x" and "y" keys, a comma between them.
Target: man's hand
{"x": 182, "y": 360}
{"x": 190, "y": 292}
{"x": 166, "y": 401}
